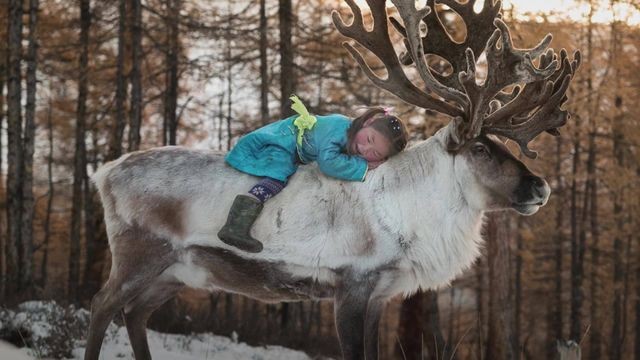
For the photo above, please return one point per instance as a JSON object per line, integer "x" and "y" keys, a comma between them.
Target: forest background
{"x": 83, "y": 82}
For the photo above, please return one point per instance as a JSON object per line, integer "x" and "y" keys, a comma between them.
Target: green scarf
{"x": 304, "y": 121}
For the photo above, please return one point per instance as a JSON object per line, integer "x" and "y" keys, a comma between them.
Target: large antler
{"x": 536, "y": 108}
{"x": 531, "y": 108}
{"x": 378, "y": 42}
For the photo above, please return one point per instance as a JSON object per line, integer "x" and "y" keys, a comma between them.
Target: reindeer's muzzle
{"x": 532, "y": 193}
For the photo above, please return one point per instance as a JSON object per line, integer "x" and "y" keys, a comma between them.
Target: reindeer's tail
{"x": 101, "y": 179}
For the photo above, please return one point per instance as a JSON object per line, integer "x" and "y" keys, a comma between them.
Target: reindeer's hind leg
{"x": 138, "y": 257}
{"x": 137, "y": 312}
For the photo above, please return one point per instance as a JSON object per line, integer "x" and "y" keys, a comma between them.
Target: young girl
{"x": 343, "y": 149}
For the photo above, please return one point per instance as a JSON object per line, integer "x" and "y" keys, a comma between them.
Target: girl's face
{"x": 371, "y": 145}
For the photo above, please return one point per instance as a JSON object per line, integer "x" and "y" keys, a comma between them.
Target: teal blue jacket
{"x": 271, "y": 150}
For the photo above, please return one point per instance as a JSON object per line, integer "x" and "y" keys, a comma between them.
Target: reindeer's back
{"x": 184, "y": 196}
{"x": 156, "y": 188}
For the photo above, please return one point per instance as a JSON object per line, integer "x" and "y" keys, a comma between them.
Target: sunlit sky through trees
{"x": 575, "y": 10}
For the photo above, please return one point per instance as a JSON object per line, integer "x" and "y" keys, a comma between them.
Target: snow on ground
{"x": 191, "y": 347}
{"x": 174, "y": 347}
{"x": 9, "y": 352}
{"x": 51, "y": 330}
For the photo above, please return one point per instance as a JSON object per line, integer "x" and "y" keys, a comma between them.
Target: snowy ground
{"x": 51, "y": 330}
{"x": 9, "y": 352}
{"x": 191, "y": 347}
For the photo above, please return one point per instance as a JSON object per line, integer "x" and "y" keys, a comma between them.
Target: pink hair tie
{"x": 387, "y": 109}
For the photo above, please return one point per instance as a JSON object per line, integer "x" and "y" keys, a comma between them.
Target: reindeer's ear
{"x": 455, "y": 136}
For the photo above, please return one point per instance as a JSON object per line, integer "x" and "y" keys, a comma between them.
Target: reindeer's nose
{"x": 536, "y": 181}
{"x": 539, "y": 188}
{"x": 536, "y": 184}
{"x": 533, "y": 190}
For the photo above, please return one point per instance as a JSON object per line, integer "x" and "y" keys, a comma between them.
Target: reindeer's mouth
{"x": 527, "y": 208}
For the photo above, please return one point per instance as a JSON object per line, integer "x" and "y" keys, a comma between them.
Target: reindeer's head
{"x": 517, "y": 100}
{"x": 492, "y": 178}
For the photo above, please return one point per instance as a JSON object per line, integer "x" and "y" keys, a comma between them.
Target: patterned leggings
{"x": 267, "y": 188}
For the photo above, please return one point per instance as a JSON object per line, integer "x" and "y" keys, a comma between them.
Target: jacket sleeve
{"x": 334, "y": 163}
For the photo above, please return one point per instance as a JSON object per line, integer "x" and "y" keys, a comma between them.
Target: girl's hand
{"x": 375, "y": 164}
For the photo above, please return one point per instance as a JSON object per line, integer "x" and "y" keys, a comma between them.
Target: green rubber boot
{"x": 236, "y": 232}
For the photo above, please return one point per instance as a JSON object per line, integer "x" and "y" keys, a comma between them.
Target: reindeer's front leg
{"x": 357, "y": 317}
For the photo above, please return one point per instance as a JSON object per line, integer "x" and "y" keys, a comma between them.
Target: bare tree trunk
{"x": 518, "y": 289}
{"x": 80, "y": 158}
{"x": 319, "y": 322}
{"x": 578, "y": 233}
{"x": 596, "y": 325}
{"x": 96, "y": 241}
{"x": 410, "y": 332}
{"x": 637, "y": 322}
{"x": 117, "y": 130}
{"x": 3, "y": 82}
{"x": 419, "y": 330}
{"x": 500, "y": 342}
{"x": 618, "y": 214}
{"x": 452, "y": 313}
{"x": 284, "y": 319}
{"x": 308, "y": 318}
{"x": 592, "y": 208}
{"x": 229, "y": 76}
{"x": 230, "y": 319}
{"x": 627, "y": 275}
{"x": 26, "y": 258}
{"x": 3, "y": 245}
{"x": 221, "y": 118}
{"x": 171, "y": 92}
{"x": 14, "y": 147}
{"x": 576, "y": 251}
{"x": 264, "y": 74}
{"x": 3, "y": 78}
{"x": 480, "y": 305}
{"x": 135, "y": 114}
{"x": 555, "y": 329}
{"x": 50, "y": 196}
{"x": 433, "y": 338}
{"x": 287, "y": 74}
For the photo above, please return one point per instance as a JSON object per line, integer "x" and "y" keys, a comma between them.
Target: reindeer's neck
{"x": 438, "y": 231}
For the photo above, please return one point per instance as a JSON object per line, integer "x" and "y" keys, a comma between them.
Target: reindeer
{"x": 413, "y": 224}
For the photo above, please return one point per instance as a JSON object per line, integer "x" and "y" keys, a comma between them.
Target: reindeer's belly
{"x": 219, "y": 269}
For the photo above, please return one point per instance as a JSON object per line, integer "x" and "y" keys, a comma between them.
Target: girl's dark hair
{"x": 388, "y": 125}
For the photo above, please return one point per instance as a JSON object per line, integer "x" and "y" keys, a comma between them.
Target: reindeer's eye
{"x": 480, "y": 150}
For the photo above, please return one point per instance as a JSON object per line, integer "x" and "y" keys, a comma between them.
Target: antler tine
{"x": 378, "y": 42}
{"x": 523, "y": 100}
{"x": 507, "y": 66}
{"x": 500, "y": 59}
{"x": 533, "y": 94}
{"x": 550, "y": 116}
{"x": 547, "y": 117}
{"x": 438, "y": 42}
{"x": 412, "y": 18}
